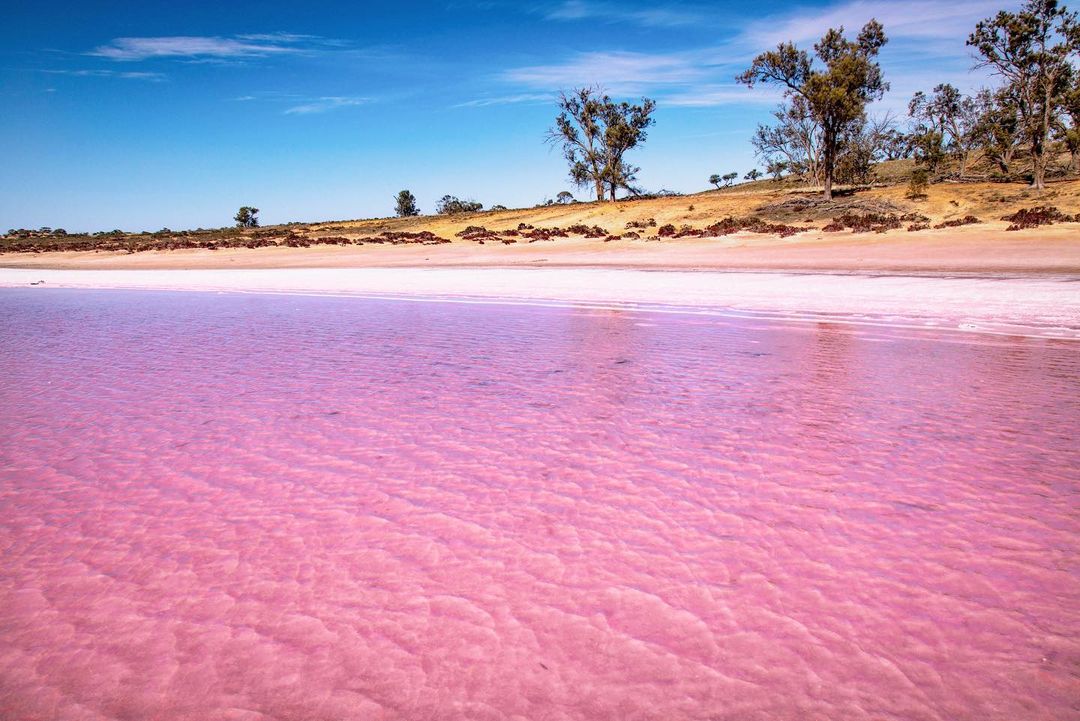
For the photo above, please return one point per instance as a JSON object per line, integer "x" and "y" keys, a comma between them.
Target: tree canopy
{"x": 836, "y": 95}
{"x": 247, "y": 217}
{"x": 595, "y": 133}
{"x": 405, "y": 204}
{"x": 450, "y": 205}
{"x": 1033, "y": 51}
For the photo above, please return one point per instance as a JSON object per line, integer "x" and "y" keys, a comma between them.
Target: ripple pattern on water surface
{"x": 249, "y": 507}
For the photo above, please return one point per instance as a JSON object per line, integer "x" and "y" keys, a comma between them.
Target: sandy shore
{"x": 973, "y": 278}
{"x": 1047, "y": 306}
{"x": 974, "y": 249}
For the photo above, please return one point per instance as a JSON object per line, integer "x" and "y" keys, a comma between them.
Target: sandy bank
{"x": 1027, "y": 305}
{"x": 974, "y": 249}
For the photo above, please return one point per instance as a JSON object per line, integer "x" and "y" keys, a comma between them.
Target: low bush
{"x": 1039, "y": 215}
{"x": 966, "y": 220}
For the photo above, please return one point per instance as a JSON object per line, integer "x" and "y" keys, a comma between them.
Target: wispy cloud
{"x": 622, "y": 72}
{"x": 731, "y": 94}
{"x": 507, "y": 100}
{"x": 326, "y": 104}
{"x": 660, "y": 16}
{"x": 203, "y": 47}
{"x": 927, "y": 45}
{"x": 151, "y": 77}
{"x": 915, "y": 19}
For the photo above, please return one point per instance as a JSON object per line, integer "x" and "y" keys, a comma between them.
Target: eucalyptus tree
{"x": 794, "y": 141}
{"x": 838, "y": 93}
{"x": 951, "y": 117}
{"x": 247, "y": 217}
{"x": 595, "y": 133}
{"x": 405, "y": 204}
{"x": 1070, "y": 132}
{"x": 998, "y": 129}
{"x": 1033, "y": 50}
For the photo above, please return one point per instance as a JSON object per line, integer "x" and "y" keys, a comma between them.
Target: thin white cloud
{"x": 711, "y": 96}
{"x": 507, "y": 100}
{"x": 915, "y": 19}
{"x": 619, "y": 71}
{"x": 201, "y": 47}
{"x": 326, "y": 104}
{"x": 927, "y": 46}
{"x": 151, "y": 77}
{"x": 661, "y": 16}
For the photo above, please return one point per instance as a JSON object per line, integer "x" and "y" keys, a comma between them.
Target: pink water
{"x": 258, "y": 507}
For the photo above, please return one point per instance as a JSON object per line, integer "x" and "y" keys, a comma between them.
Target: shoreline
{"x": 1052, "y": 250}
{"x": 1040, "y": 306}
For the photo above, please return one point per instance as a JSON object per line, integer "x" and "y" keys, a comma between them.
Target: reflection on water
{"x": 246, "y": 507}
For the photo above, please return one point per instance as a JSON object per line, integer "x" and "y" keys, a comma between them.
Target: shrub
{"x": 920, "y": 181}
{"x": 405, "y": 204}
{"x": 1039, "y": 215}
{"x": 247, "y": 217}
{"x": 449, "y": 205}
{"x": 966, "y": 220}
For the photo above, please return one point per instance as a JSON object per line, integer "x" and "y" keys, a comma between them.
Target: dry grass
{"x": 944, "y": 202}
{"x": 772, "y": 203}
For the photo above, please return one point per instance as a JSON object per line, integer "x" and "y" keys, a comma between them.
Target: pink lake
{"x": 227, "y": 506}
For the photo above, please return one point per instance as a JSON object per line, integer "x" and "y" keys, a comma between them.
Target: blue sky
{"x": 147, "y": 115}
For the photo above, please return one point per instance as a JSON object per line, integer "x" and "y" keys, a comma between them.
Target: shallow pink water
{"x": 248, "y": 507}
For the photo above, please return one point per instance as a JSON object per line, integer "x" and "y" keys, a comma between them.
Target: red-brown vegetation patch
{"x": 730, "y": 225}
{"x": 966, "y": 220}
{"x": 1039, "y": 215}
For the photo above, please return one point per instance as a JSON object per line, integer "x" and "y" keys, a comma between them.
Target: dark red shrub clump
{"x": 1040, "y": 215}
{"x": 966, "y": 220}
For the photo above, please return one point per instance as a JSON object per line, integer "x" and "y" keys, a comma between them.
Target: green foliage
{"x": 837, "y": 95}
{"x": 920, "y": 181}
{"x": 247, "y": 217}
{"x": 776, "y": 169}
{"x": 793, "y": 142}
{"x": 947, "y": 123}
{"x": 595, "y": 134}
{"x": 405, "y": 204}
{"x": 752, "y": 175}
{"x": 715, "y": 179}
{"x": 729, "y": 178}
{"x": 1033, "y": 50}
{"x": 564, "y": 198}
{"x": 998, "y": 128}
{"x": 929, "y": 148}
{"x": 449, "y": 205}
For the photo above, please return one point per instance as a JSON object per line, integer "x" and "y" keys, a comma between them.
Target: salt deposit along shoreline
{"x": 1041, "y": 306}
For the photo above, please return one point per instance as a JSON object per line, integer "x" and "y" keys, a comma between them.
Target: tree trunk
{"x": 829, "y": 162}
{"x": 600, "y": 190}
{"x": 1038, "y": 176}
{"x": 1038, "y": 164}
{"x": 1038, "y": 143}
